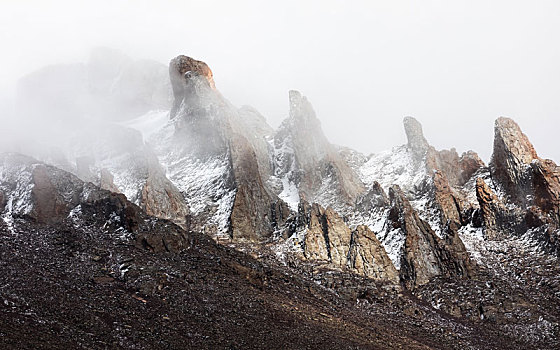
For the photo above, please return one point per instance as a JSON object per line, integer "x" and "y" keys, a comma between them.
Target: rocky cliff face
{"x": 209, "y": 131}
{"x": 410, "y": 220}
{"x": 48, "y": 195}
{"x": 425, "y": 255}
{"x": 529, "y": 185}
{"x": 181, "y": 70}
{"x": 306, "y": 164}
{"x": 117, "y": 277}
{"x": 329, "y": 240}
{"x": 510, "y": 165}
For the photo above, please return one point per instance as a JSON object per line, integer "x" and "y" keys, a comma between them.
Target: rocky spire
{"x": 491, "y": 209}
{"x": 416, "y": 140}
{"x": 329, "y": 240}
{"x": 511, "y": 159}
{"x": 425, "y": 255}
{"x": 309, "y": 160}
{"x": 182, "y": 70}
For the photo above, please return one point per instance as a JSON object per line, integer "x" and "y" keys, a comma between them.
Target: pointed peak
{"x": 301, "y": 108}
{"x": 414, "y": 134}
{"x": 508, "y": 135}
{"x": 513, "y": 152}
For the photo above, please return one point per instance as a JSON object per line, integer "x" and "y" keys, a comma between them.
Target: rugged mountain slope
{"x": 415, "y": 234}
{"x": 96, "y": 272}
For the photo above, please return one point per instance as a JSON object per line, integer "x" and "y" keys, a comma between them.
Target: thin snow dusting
{"x": 394, "y": 167}
{"x": 204, "y": 186}
{"x": 283, "y": 172}
{"x": 393, "y": 242}
{"x": 126, "y": 176}
{"x": 427, "y": 211}
{"x": 289, "y": 194}
{"x": 289, "y": 247}
{"x": 399, "y": 167}
{"x": 75, "y": 215}
{"x": 16, "y": 184}
{"x": 501, "y": 255}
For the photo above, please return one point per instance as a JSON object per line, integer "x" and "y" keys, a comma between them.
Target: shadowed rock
{"x": 511, "y": 159}
{"x": 425, "y": 255}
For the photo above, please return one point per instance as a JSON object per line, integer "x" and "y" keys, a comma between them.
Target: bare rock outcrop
{"x": 425, "y": 255}
{"x": 328, "y": 237}
{"x": 209, "y": 130}
{"x": 305, "y": 157}
{"x": 160, "y": 198}
{"x": 255, "y": 212}
{"x": 447, "y": 173}
{"x": 48, "y": 195}
{"x": 367, "y": 256}
{"x": 511, "y": 159}
{"x": 182, "y": 67}
{"x": 546, "y": 184}
{"x": 491, "y": 209}
{"x": 531, "y": 185}
{"x": 415, "y": 136}
{"x": 329, "y": 240}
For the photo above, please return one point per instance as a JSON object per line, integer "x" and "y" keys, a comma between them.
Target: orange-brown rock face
{"x": 181, "y": 71}
{"x": 531, "y": 186}
{"x": 491, "y": 209}
{"x": 183, "y": 64}
{"x": 546, "y": 184}
{"x": 448, "y": 173}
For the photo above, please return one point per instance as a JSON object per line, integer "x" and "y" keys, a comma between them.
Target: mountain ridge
{"x": 421, "y": 222}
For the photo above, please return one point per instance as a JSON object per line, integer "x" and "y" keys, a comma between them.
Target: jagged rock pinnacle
{"x": 301, "y": 109}
{"x": 509, "y": 140}
{"x": 511, "y": 159}
{"x": 182, "y": 68}
{"x": 415, "y": 136}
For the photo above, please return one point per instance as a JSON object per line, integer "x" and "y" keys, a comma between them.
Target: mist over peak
{"x": 172, "y": 177}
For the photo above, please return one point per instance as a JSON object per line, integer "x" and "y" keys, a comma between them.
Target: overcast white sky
{"x": 364, "y": 65}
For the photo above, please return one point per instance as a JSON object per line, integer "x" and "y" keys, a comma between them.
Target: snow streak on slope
{"x": 393, "y": 242}
{"x": 400, "y": 167}
{"x": 17, "y": 185}
{"x": 282, "y": 180}
{"x": 128, "y": 175}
